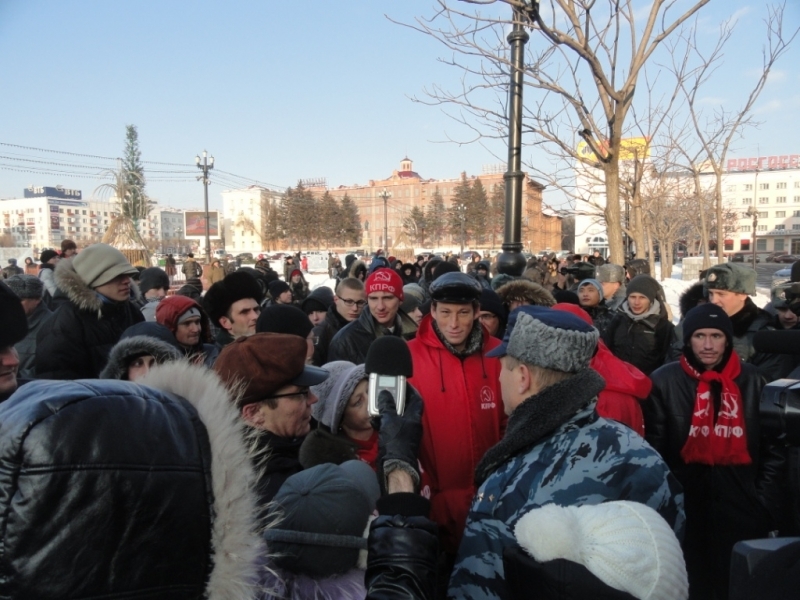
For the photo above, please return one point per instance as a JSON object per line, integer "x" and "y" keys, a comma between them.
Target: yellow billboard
{"x": 630, "y": 149}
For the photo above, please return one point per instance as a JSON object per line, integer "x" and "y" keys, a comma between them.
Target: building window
{"x": 796, "y": 213}
{"x": 797, "y": 184}
{"x": 744, "y": 245}
{"x": 780, "y": 185}
{"x": 795, "y": 226}
{"x": 780, "y": 200}
{"x": 745, "y": 228}
{"x": 778, "y": 245}
{"x": 747, "y": 200}
{"x": 748, "y": 187}
{"x": 763, "y": 215}
{"x": 779, "y": 214}
{"x": 780, "y": 227}
{"x": 763, "y": 186}
{"x": 796, "y": 199}
{"x": 730, "y": 188}
{"x": 763, "y": 200}
{"x": 761, "y": 245}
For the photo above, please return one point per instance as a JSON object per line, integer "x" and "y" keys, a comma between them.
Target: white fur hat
{"x": 627, "y": 545}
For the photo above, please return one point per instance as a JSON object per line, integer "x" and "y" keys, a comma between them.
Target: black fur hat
{"x": 236, "y": 286}
{"x": 13, "y": 323}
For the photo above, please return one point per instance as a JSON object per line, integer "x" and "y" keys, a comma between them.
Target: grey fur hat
{"x": 731, "y": 277}
{"x": 26, "y": 286}
{"x": 609, "y": 273}
{"x": 335, "y": 392}
{"x": 547, "y": 338}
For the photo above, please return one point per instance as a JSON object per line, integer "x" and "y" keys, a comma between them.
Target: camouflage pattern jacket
{"x": 584, "y": 459}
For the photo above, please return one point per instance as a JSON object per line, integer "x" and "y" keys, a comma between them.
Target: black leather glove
{"x": 399, "y": 436}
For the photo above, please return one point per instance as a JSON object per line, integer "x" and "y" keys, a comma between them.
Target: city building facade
{"x": 245, "y": 212}
{"x": 407, "y": 189}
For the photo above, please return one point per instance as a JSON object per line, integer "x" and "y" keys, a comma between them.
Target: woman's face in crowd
{"x": 356, "y": 419}
{"x": 140, "y": 366}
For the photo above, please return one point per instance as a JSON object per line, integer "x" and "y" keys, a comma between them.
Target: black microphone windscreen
{"x": 777, "y": 342}
{"x": 389, "y": 355}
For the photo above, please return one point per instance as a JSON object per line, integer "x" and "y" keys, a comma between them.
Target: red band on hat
{"x": 385, "y": 280}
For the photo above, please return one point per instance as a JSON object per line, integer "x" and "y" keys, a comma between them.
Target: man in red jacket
{"x": 460, "y": 386}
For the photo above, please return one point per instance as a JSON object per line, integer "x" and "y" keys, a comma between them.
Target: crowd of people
{"x": 560, "y": 437}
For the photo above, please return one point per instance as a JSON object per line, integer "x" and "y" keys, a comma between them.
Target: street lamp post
{"x": 462, "y": 215}
{"x": 752, "y": 211}
{"x": 511, "y": 261}
{"x": 385, "y": 195}
{"x": 205, "y": 165}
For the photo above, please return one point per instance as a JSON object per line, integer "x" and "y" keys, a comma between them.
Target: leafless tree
{"x": 585, "y": 77}
{"x": 715, "y": 131}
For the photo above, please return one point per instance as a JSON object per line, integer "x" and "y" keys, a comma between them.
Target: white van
{"x": 220, "y": 254}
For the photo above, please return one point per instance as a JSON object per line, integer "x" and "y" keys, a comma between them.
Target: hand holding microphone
{"x": 399, "y": 422}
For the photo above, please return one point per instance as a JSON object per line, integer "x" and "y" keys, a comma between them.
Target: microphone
{"x": 388, "y": 365}
{"x": 777, "y": 342}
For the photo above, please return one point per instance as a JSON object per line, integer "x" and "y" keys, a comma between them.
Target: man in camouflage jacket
{"x": 556, "y": 448}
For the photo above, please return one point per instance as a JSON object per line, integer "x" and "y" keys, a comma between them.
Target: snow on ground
{"x": 673, "y": 288}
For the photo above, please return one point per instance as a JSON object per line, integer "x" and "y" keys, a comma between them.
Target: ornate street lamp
{"x": 511, "y": 261}
{"x": 206, "y": 164}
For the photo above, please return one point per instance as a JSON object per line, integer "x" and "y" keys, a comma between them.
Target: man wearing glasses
{"x": 349, "y": 301}
{"x": 275, "y": 400}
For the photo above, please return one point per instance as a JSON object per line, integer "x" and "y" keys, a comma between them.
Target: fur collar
{"x": 474, "y": 340}
{"x": 539, "y": 416}
{"x": 744, "y": 318}
{"x": 526, "y": 291}
{"x": 238, "y": 549}
{"x": 81, "y": 295}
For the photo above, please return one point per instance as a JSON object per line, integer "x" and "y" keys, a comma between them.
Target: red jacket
{"x": 463, "y": 418}
{"x": 626, "y": 386}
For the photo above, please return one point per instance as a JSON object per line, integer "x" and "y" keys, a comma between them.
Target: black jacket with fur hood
{"x": 131, "y": 490}
{"x": 75, "y": 341}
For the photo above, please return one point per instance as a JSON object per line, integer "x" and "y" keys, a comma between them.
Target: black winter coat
{"x": 724, "y": 504}
{"x": 643, "y": 342}
{"x": 75, "y": 341}
{"x": 353, "y": 340}
{"x": 323, "y": 334}
{"x": 129, "y": 491}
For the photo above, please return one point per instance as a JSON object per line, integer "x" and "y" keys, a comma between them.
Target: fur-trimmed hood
{"x": 132, "y": 347}
{"x": 689, "y": 299}
{"x": 526, "y": 291}
{"x": 239, "y": 551}
{"x": 78, "y": 292}
{"x": 357, "y": 266}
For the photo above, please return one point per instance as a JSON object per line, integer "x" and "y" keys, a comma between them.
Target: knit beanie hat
{"x": 566, "y": 296}
{"x": 552, "y": 339}
{"x": 334, "y": 393}
{"x": 706, "y": 316}
{"x": 413, "y": 297}
{"x": 609, "y": 273}
{"x": 153, "y": 278}
{"x": 385, "y": 280}
{"x": 732, "y": 277}
{"x": 13, "y": 323}
{"x": 47, "y": 255}
{"x": 100, "y": 263}
{"x": 645, "y": 285}
{"x": 627, "y": 545}
{"x": 284, "y": 318}
{"x": 491, "y": 302}
{"x": 319, "y": 300}
{"x": 278, "y": 287}
{"x": 324, "y": 514}
{"x": 26, "y": 286}
{"x": 442, "y": 268}
{"x": 594, "y": 283}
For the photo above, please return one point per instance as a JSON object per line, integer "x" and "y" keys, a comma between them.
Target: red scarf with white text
{"x": 723, "y": 442}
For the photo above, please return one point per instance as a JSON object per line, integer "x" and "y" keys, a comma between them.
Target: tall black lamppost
{"x": 385, "y": 195}
{"x": 205, "y": 165}
{"x": 511, "y": 261}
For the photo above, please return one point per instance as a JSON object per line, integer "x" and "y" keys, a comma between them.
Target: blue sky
{"x": 276, "y": 91}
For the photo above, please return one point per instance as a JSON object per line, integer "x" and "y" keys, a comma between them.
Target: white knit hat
{"x": 627, "y": 545}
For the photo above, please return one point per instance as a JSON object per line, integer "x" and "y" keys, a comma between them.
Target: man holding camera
{"x": 702, "y": 416}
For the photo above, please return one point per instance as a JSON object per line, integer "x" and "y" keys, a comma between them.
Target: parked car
{"x": 744, "y": 257}
{"x": 244, "y": 256}
{"x": 787, "y": 258}
{"x": 781, "y": 276}
{"x": 771, "y": 257}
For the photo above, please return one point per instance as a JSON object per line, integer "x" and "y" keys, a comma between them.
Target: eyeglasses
{"x": 304, "y": 394}
{"x": 358, "y": 303}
